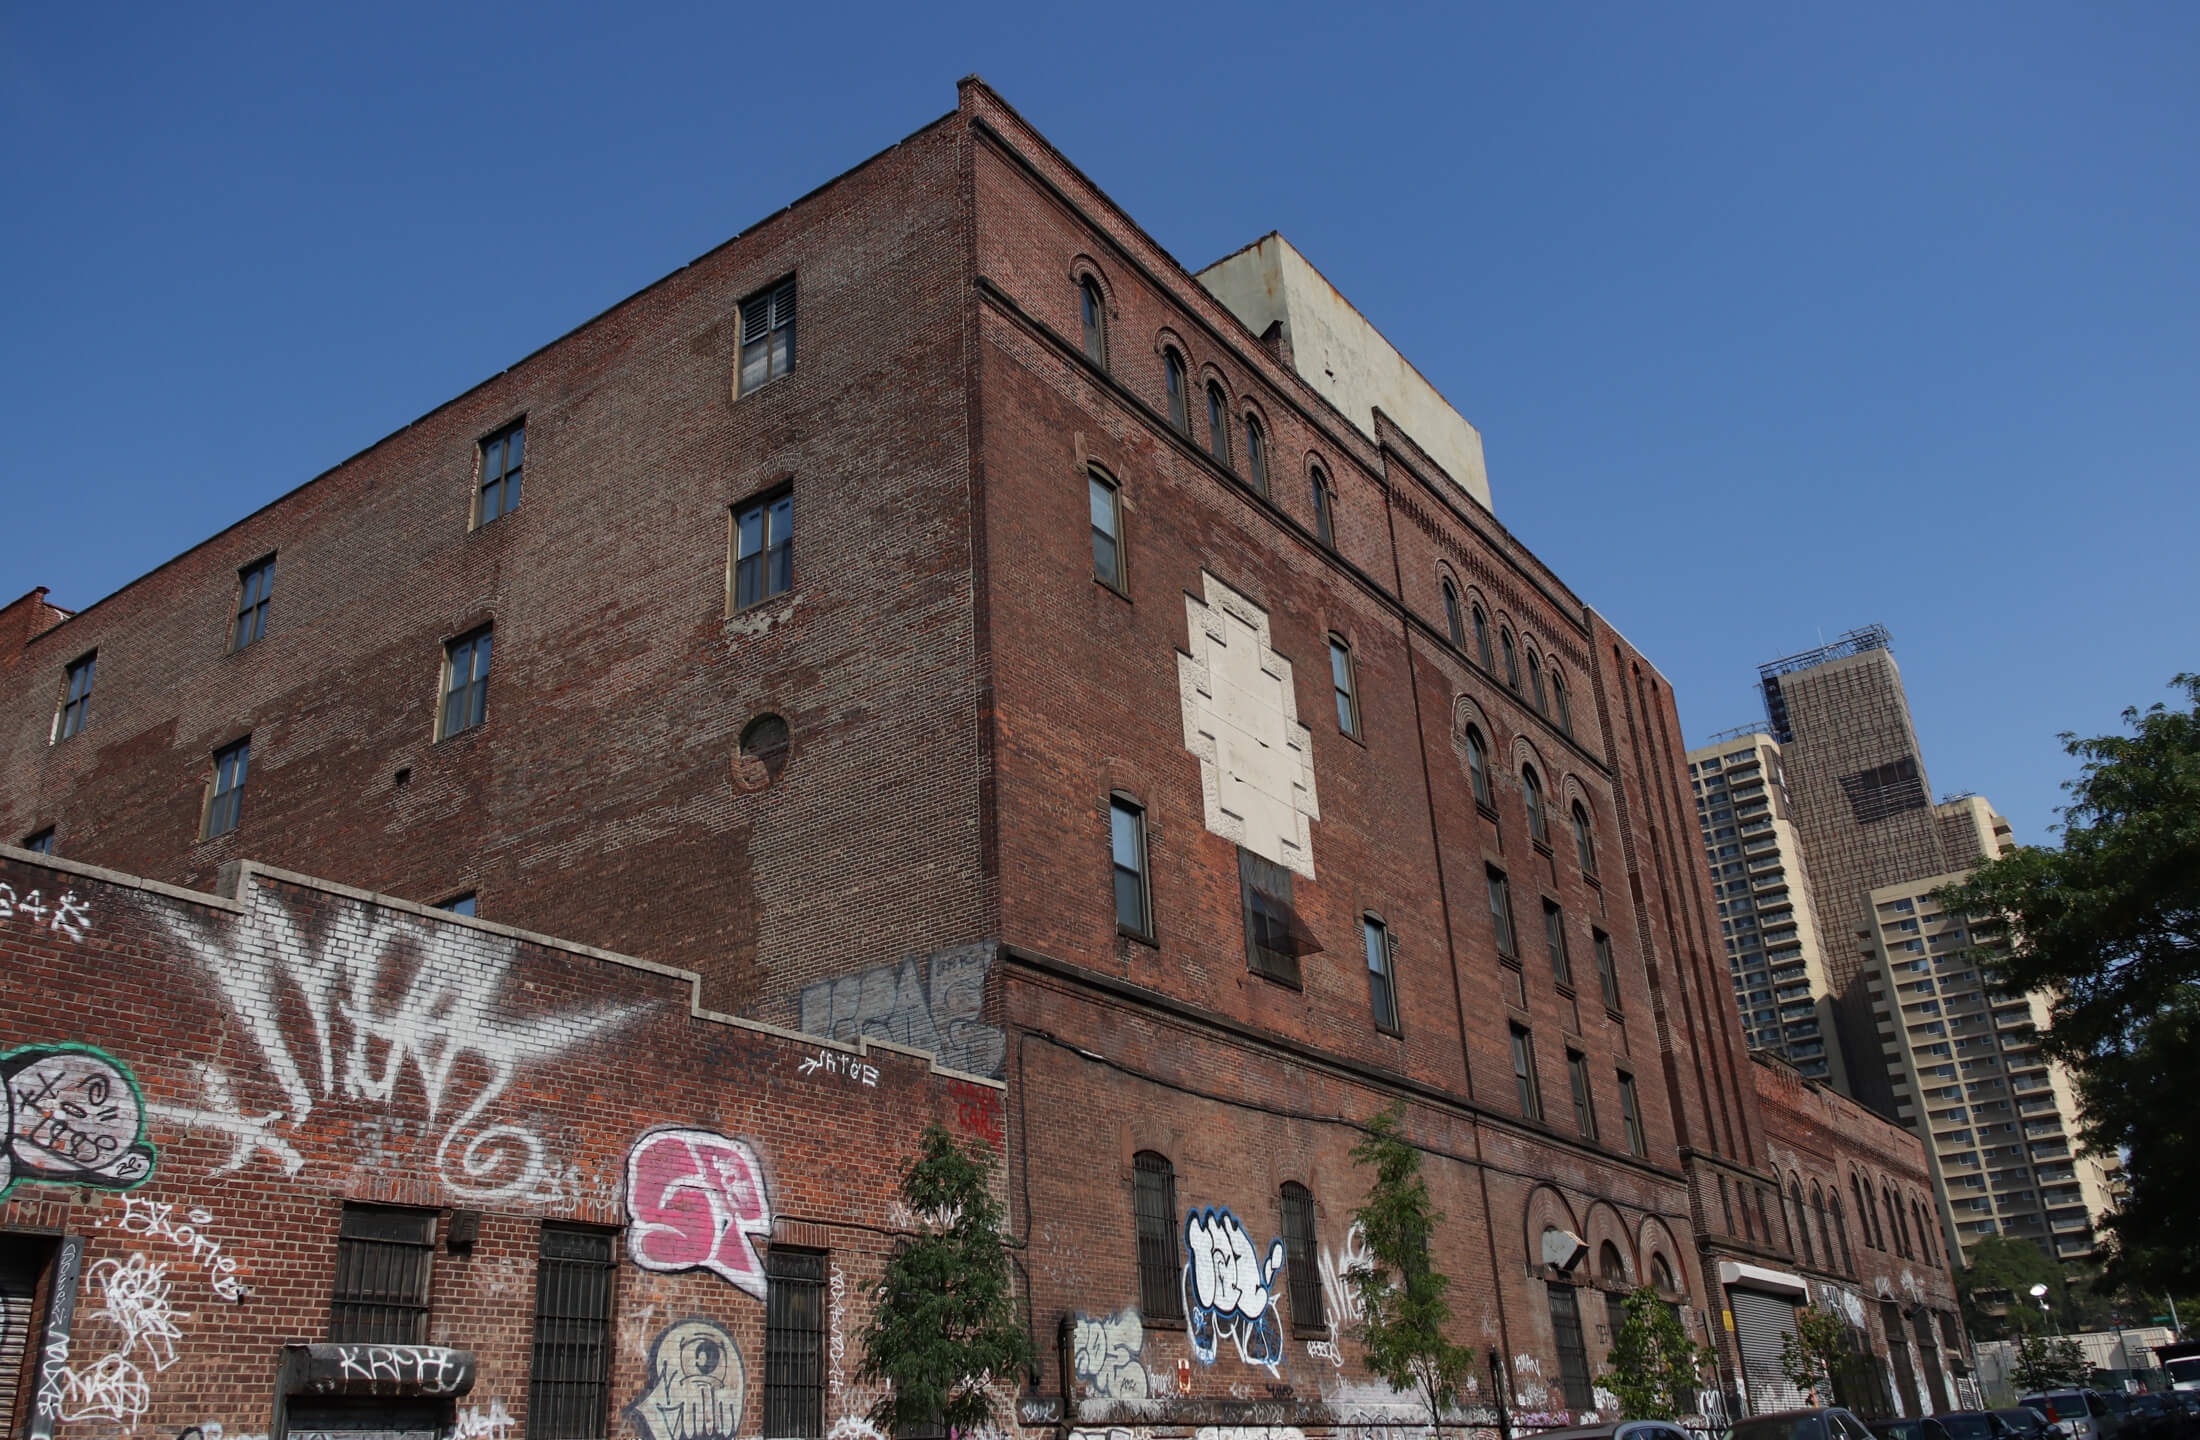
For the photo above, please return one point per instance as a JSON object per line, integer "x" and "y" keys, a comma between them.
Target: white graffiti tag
{"x": 1107, "y": 1354}
{"x": 386, "y": 999}
{"x": 430, "y": 1369}
{"x": 141, "y": 1216}
{"x": 136, "y": 1295}
{"x": 1229, "y": 1289}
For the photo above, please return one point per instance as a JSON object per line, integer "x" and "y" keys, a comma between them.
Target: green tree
{"x": 2043, "y": 1363}
{"x": 1996, "y": 1289}
{"x": 1655, "y": 1369}
{"x": 1401, "y": 1293}
{"x": 944, "y": 1325}
{"x": 1811, "y": 1351}
{"x": 2108, "y": 925}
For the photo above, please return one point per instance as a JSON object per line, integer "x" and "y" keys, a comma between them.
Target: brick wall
{"x": 199, "y": 1083}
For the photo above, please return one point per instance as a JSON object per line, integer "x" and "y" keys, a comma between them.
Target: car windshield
{"x": 2061, "y": 1405}
{"x": 1968, "y": 1427}
{"x": 1781, "y": 1427}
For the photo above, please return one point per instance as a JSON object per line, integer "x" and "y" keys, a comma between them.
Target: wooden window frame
{"x": 1630, "y": 1114}
{"x": 1584, "y": 1095}
{"x": 1218, "y": 424}
{"x": 497, "y": 494}
{"x": 1098, "y": 480}
{"x": 77, "y": 680}
{"x": 1325, "y": 509}
{"x": 1176, "y": 381}
{"x": 1455, "y": 624}
{"x": 1527, "y": 1084}
{"x": 224, "y": 809}
{"x": 1345, "y": 686}
{"x": 1121, "y": 806}
{"x": 469, "y": 696}
{"x": 774, "y": 556}
{"x": 1256, "y": 453}
{"x": 1506, "y": 933}
{"x": 255, "y": 588}
{"x": 1382, "y": 973}
{"x": 1554, "y": 942}
{"x": 766, "y": 328}
{"x": 1607, "y": 970}
{"x": 1092, "y": 304}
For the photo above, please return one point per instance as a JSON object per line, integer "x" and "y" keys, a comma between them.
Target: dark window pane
{"x": 1173, "y": 365}
{"x": 1524, "y": 1077}
{"x": 1482, "y": 638}
{"x": 1324, "y": 521}
{"x": 1573, "y": 1356}
{"x": 383, "y": 1257}
{"x": 569, "y": 1382}
{"x": 1272, "y": 948}
{"x": 1106, "y": 557}
{"x": 1501, "y": 913}
{"x": 1127, "y": 843}
{"x": 794, "y": 1344}
{"x": 1153, "y": 1196}
{"x": 1301, "y": 1251}
{"x": 1554, "y": 940}
{"x": 77, "y": 703}
{"x": 1256, "y": 454}
{"x": 1382, "y": 990}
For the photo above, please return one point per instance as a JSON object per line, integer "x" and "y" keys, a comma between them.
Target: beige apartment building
{"x": 1999, "y": 1119}
{"x": 1767, "y": 914}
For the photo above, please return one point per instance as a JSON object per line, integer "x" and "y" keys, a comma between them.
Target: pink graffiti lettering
{"x": 696, "y": 1201}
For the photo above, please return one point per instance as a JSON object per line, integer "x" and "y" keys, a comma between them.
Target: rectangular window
{"x": 41, "y": 842}
{"x": 1381, "y": 984}
{"x": 1554, "y": 940}
{"x": 569, "y": 1384}
{"x": 1127, "y": 838}
{"x": 226, "y": 799}
{"x": 255, "y": 583}
{"x": 1607, "y": 971}
{"x": 1302, "y": 1259}
{"x": 77, "y": 701}
{"x": 767, "y": 335}
{"x": 459, "y": 904}
{"x": 1264, "y": 890}
{"x": 383, "y": 1256}
{"x": 1573, "y": 1355}
{"x": 1531, "y": 1093}
{"x": 1340, "y": 680}
{"x": 1501, "y": 914}
{"x": 1153, "y": 1205}
{"x": 502, "y": 455}
{"x": 1107, "y": 532}
{"x": 763, "y": 549}
{"x": 794, "y": 1343}
{"x": 1585, "y": 1108}
{"x": 465, "y": 683}
{"x": 1630, "y": 1114}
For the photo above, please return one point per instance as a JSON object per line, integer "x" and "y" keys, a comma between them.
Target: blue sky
{"x": 1896, "y": 303}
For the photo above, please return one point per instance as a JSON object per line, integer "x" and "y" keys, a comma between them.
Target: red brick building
{"x": 1035, "y": 666}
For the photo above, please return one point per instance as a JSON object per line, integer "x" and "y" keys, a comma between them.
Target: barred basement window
{"x": 501, "y": 462}
{"x": 255, "y": 584}
{"x": 569, "y": 1383}
{"x": 225, "y": 801}
{"x": 794, "y": 1343}
{"x": 767, "y": 335}
{"x": 1301, "y": 1250}
{"x": 383, "y": 1257}
{"x": 1153, "y": 1203}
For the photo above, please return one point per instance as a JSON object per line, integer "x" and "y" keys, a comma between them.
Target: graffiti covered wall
{"x": 195, "y": 1088}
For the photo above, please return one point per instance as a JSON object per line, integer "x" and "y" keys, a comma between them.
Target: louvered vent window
{"x": 767, "y": 335}
{"x": 383, "y": 1257}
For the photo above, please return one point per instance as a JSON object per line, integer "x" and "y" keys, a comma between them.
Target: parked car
{"x": 1928, "y": 1429}
{"x": 2024, "y": 1423}
{"x": 2083, "y": 1414}
{"x": 1619, "y": 1430}
{"x": 1990, "y": 1425}
{"x": 2153, "y": 1417}
{"x": 1829, "y": 1422}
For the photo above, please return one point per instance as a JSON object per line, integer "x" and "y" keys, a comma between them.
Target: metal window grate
{"x": 794, "y": 1343}
{"x": 1300, "y": 1247}
{"x": 383, "y": 1260}
{"x": 569, "y": 1385}
{"x": 1573, "y": 1355}
{"x": 1153, "y": 1200}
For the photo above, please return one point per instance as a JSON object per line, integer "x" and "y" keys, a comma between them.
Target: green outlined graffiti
{"x": 75, "y": 1116}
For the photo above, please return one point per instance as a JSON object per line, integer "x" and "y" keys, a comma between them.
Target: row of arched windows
{"x": 1531, "y": 790}
{"x": 1227, "y": 427}
{"x": 1545, "y": 688}
{"x": 1890, "y": 1222}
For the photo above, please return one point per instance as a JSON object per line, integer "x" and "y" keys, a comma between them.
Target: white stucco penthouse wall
{"x": 1340, "y": 354}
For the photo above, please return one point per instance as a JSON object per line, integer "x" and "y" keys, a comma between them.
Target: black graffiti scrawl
{"x": 75, "y": 1116}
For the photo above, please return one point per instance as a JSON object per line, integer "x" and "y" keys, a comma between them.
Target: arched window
{"x": 1256, "y": 455}
{"x": 1825, "y": 1225}
{"x": 1585, "y": 845}
{"x": 1179, "y": 415}
{"x": 1531, "y": 790}
{"x": 1560, "y": 703}
{"x": 1661, "y": 1276}
{"x": 1302, "y": 1257}
{"x": 1096, "y": 321}
{"x": 1898, "y": 1229}
{"x": 1924, "y": 1232}
{"x": 1841, "y": 1228}
{"x": 1535, "y": 683}
{"x": 1453, "y": 624}
{"x": 1864, "y": 1213}
{"x": 1478, "y": 770}
{"x": 1325, "y": 504}
{"x": 1153, "y": 1194}
{"x": 1482, "y": 639}
{"x": 1611, "y": 1267}
{"x": 1802, "y": 1221}
{"x": 1218, "y": 424}
{"x": 1512, "y": 660}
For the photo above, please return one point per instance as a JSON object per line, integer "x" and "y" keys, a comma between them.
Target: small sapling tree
{"x": 1809, "y": 1352}
{"x": 943, "y": 1327}
{"x": 1655, "y": 1368}
{"x": 1401, "y": 1293}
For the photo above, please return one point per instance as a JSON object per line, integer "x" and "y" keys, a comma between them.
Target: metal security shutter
{"x": 20, "y": 1265}
{"x": 1760, "y": 1320}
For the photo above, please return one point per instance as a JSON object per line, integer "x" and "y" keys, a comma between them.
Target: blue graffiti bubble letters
{"x": 1230, "y": 1289}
